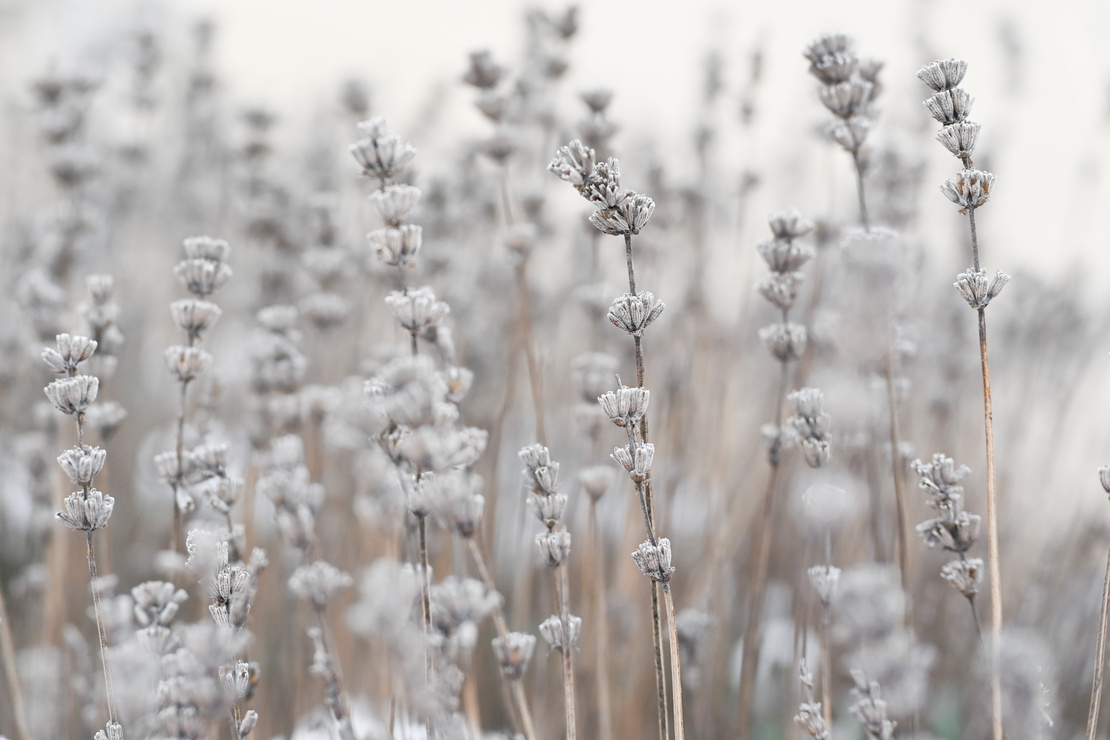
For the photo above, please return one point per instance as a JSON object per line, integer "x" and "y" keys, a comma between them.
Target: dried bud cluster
{"x": 810, "y": 425}
{"x": 810, "y": 717}
{"x": 849, "y": 88}
{"x": 950, "y": 105}
{"x": 654, "y": 560}
{"x": 380, "y": 153}
{"x": 619, "y": 212}
{"x": 976, "y": 289}
{"x": 785, "y": 340}
{"x": 870, "y": 709}
{"x": 953, "y": 529}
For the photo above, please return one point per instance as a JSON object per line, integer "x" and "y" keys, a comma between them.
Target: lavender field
{"x": 501, "y": 371}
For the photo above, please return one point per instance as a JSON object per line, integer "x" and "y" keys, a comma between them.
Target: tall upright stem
{"x": 863, "y": 217}
{"x": 101, "y": 635}
{"x": 1100, "y": 656}
{"x": 11, "y": 674}
{"x": 899, "y": 484}
{"x": 750, "y": 659}
{"x": 992, "y": 506}
{"x": 562, "y": 588}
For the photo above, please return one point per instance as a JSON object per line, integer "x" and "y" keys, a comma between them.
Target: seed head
{"x": 552, "y": 631}
{"x": 634, "y": 313}
{"x": 943, "y": 75}
{"x": 186, "y": 363}
{"x": 625, "y": 405}
{"x": 964, "y": 575}
{"x": 379, "y": 153}
{"x": 654, "y": 561}
{"x": 847, "y": 99}
{"x": 81, "y": 464}
{"x": 949, "y": 106}
{"x": 394, "y": 202}
{"x": 87, "y": 511}
{"x": 960, "y": 138}
{"x": 417, "y": 309}
{"x": 975, "y": 288}
{"x": 73, "y": 395}
{"x": 318, "y": 582}
{"x": 554, "y": 547}
{"x": 824, "y": 579}
{"x": 513, "y": 652}
{"x": 195, "y": 316}
{"x": 789, "y": 224}
{"x": 969, "y": 189}
{"x": 786, "y": 341}
{"x": 627, "y": 218}
{"x": 71, "y": 351}
{"x": 574, "y": 163}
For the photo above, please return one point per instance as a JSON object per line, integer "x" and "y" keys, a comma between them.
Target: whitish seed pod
{"x": 318, "y": 583}
{"x": 634, "y": 313}
{"x": 71, "y": 351}
{"x": 781, "y": 254}
{"x": 202, "y": 277}
{"x": 851, "y": 133}
{"x": 781, "y": 289}
{"x": 417, "y": 309}
{"x": 379, "y": 153}
{"x": 552, "y": 631}
{"x": 73, "y": 395}
{"x": 969, "y": 189}
{"x": 604, "y": 187}
{"x": 87, "y": 511}
{"x": 513, "y": 653}
{"x": 195, "y": 316}
{"x": 82, "y": 464}
{"x": 625, "y": 405}
{"x": 637, "y": 463}
{"x": 627, "y": 218}
{"x": 964, "y": 575}
{"x": 554, "y": 547}
{"x": 548, "y": 509}
{"x": 207, "y": 248}
{"x": 573, "y": 163}
{"x": 944, "y": 74}
{"x": 186, "y": 363}
{"x": 789, "y": 225}
{"x": 949, "y": 106}
{"x": 654, "y": 561}
{"x": 394, "y": 202}
{"x": 847, "y": 99}
{"x": 976, "y": 289}
{"x": 960, "y": 138}
{"x": 397, "y": 246}
{"x": 111, "y": 731}
{"x": 786, "y": 341}
{"x": 597, "y": 100}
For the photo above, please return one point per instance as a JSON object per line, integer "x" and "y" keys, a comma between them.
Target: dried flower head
{"x": 976, "y": 289}
{"x": 417, "y": 309}
{"x": 554, "y": 547}
{"x": 654, "y": 561}
{"x": 627, "y": 218}
{"x": 574, "y": 163}
{"x": 394, "y": 202}
{"x": 186, "y": 363}
{"x": 71, "y": 351}
{"x": 81, "y": 464}
{"x": 379, "y": 153}
{"x": 960, "y": 138}
{"x": 786, "y": 341}
{"x": 969, "y": 189}
{"x": 513, "y": 652}
{"x": 552, "y": 631}
{"x": 824, "y": 579}
{"x": 195, "y": 316}
{"x": 949, "y": 106}
{"x": 964, "y": 575}
{"x": 87, "y": 511}
{"x": 944, "y": 74}
{"x": 318, "y": 582}
{"x": 73, "y": 395}
{"x": 625, "y": 405}
{"x": 634, "y": 313}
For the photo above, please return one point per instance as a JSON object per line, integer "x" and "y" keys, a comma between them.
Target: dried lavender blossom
{"x": 969, "y": 189}
{"x": 975, "y": 288}
{"x": 654, "y": 560}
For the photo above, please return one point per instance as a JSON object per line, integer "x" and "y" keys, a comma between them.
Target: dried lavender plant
{"x": 970, "y": 189}
{"x": 811, "y": 717}
{"x": 953, "y": 529}
{"x": 622, "y": 212}
{"x": 870, "y": 709}
{"x": 541, "y": 475}
{"x": 87, "y": 510}
{"x": 202, "y": 272}
{"x": 786, "y": 341}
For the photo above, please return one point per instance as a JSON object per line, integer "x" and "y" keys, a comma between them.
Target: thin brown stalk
{"x": 992, "y": 507}
{"x": 425, "y": 585}
{"x": 863, "y": 217}
{"x": 899, "y": 485}
{"x": 519, "y": 699}
{"x": 826, "y": 667}
{"x": 100, "y": 632}
{"x": 751, "y": 646}
{"x": 562, "y": 589}
{"x": 336, "y": 697}
{"x": 649, "y": 516}
{"x": 601, "y": 653}
{"x": 1100, "y": 656}
{"x": 11, "y": 674}
{"x": 676, "y": 664}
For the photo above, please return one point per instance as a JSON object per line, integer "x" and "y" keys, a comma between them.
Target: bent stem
{"x": 1100, "y": 656}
